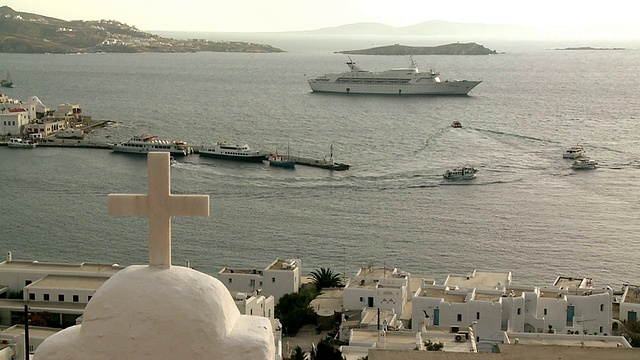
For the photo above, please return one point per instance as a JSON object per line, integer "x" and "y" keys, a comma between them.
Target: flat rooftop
{"x": 370, "y": 316}
{"x": 107, "y": 269}
{"x": 443, "y": 294}
{"x": 282, "y": 264}
{"x": 480, "y": 280}
{"x": 596, "y": 341}
{"x": 487, "y": 297}
{"x": 34, "y": 331}
{"x": 566, "y": 282}
{"x": 376, "y": 272}
{"x": 633, "y": 294}
{"x": 240, "y": 271}
{"x": 68, "y": 282}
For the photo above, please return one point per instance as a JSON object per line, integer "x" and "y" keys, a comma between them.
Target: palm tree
{"x": 325, "y": 278}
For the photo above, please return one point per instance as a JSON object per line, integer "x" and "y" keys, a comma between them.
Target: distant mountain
{"x": 450, "y": 49}
{"x": 476, "y": 31}
{"x": 429, "y": 28}
{"x": 31, "y": 33}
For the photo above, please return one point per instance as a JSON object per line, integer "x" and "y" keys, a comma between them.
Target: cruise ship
{"x": 144, "y": 144}
{"x": 403, "y": 81}
{"x": 228, "y": 151}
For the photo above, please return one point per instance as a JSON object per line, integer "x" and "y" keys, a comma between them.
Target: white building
{"x": 250, "y": 304}
{"x": 630, "y": 304}
{"x": 282, "y": 276}
{"x": 496, "y": 309}
{"x": 61, "y": 290}
{"x": 383, "y": 288}
{"x": 13, "y": 122}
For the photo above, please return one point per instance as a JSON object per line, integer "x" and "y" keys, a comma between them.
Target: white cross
{"x": 159, "y": 205}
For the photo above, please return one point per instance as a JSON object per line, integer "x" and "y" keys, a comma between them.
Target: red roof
{"x": 17, "y": 110}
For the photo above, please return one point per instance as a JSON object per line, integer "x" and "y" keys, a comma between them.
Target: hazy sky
{"x": 291, "y": 15}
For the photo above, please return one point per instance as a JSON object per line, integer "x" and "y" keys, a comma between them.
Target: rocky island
{"x": 590, "y": 48}
{"x": 449, "y": 49}
{"x": 31, "y": 33}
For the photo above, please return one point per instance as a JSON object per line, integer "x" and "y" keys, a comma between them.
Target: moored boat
{"x": 403, "y": 81}
{"x": 7, "y": 83}
{"x": 462, "y": 173}
{"x": 281, "y": 161}
{"x": 228, "y": 151}
{"x": 456, "y": 125}
{"x": 21, "y": 143}
{"x": 584, "y": 164}
{"x": 144, "y": 144}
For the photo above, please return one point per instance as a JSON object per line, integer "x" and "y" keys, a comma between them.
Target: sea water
{"x": 527, "y": 211}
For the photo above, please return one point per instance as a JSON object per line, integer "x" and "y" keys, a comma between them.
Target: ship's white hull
{"x": 146, "y": 150}
{"x": 434, "y": 88}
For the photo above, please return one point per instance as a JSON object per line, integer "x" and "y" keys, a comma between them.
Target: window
{"x": 361, "y": 299}
{"x": 269, "y": 313}
{"x": 601, "y": 309}
{"x": 519, "y": 311}
{"x": 230, "y": 280}
{"x": 251, "y": 312}
{"x": 545, "y": 311}
{"x": 76, "y": 298}
{"x": 27, "y": 282}
{"x": 459, "y": 317}
{"x": 600, "y": 329}
{"x": 60, "y": 297}
{"x": 88, "y": 298}
{"x": 32, "y": 296}
{"x": 478, "y": 315}
{"x": 45, "y": 297}
{"x": 273, "y": 280}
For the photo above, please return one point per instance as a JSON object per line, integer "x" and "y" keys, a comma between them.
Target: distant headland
{"x": 36, "y": 34}
{"x": 449, "y": 49}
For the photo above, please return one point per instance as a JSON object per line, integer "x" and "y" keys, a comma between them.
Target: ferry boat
{"x": 21, "y": 143}
{"x": 574, "y": 152}
{"x": 228, "y": 151}
{"x": 144, "y": 144}
{"x": 463, "y": 173}
{"x": 584, "y": 164}
{"x": 403, "y": 81}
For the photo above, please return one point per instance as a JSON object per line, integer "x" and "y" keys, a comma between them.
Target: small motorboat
{"x": 574, "y": 152}
{"x": 456, "y": 125}
{"x": 463, "y": 173}
{"x": 584, "y": 164}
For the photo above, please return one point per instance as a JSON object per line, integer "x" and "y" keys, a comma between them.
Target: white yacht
{"x": 404, "y": 81}
{"x": 463, "y": 173}
{"x": 228, "y": 151}
{"x": 144, "y": 144}
{"x": 21, "y": 143}
{"x": 584, "y": 164}
{"x": 574, "y": 152}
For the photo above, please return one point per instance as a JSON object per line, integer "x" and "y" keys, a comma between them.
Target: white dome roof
{"x": 147, "y": 312}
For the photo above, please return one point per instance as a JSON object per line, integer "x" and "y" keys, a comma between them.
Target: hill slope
{"x": 32, "y": 33}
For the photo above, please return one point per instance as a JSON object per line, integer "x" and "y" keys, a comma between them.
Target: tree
{"x": 325, "y": 278}
{"x": 293, "y": 311}
{"x": 433, "y": 346}
{"x": 326, "y": 351}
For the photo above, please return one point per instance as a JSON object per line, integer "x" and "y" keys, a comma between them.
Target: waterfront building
{"x": 60, "y": 290}
{"x": 629, "y": 305}
{"x": 13, "y": 121}
{"x": 384, "y": 288}
{"x": 256, "y": 305}
{"x": 573, "y": 308}
{"x": 282, "y": 276}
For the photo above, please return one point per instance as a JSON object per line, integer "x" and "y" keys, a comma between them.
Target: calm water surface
{"x": 527, "y": 211}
